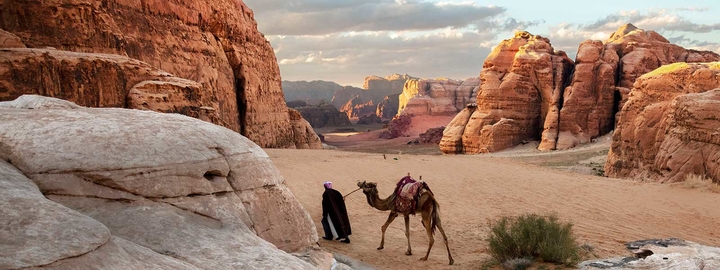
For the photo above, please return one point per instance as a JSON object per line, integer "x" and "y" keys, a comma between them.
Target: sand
{"x": 475, "y": 189}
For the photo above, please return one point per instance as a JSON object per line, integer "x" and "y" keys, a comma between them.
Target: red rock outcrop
{"x": 357, "y": 107}
{"x": 305, "y": 137}
{"x": 397, "y": 127}
{"x": 388, "y": 108}
{"x": 342, "y": 96}
{"x": 603, "y": 75}
{"x": 436, "y": 97}
{"x": 669, "y": 126}
{"x": 520, "y": 84}
{"x": 8, "y": 40}
{"x": 433, "y": 135}
{"x": 213, "y": 42}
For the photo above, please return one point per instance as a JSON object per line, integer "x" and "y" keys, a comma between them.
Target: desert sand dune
{"x": 474, "y": 189}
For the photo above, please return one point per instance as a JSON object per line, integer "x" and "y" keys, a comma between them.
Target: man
{"x": 335, "y": 220}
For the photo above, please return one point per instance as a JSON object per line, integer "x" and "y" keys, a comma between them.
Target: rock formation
{"x": 305, "y": 137}
{"x": 123, "y": 189}
{"x": 311, "y": 92}
{"x": 214, "y": 43}
{"x": 437, "y": 97}
{"x": 369, "y": 119}
{"x": 397, "y": 127}
{"x": 358, "y": 107}
{"x": 666, "y": 254}
{"x": 521, "y": 82}
{"x": 433, "y": 135}
{"x": 388, "y": 108}
{"x": 320, "y": 115}
{"x": 669, "y": 126}
{"x": 342, "y": 96}
{"x": 381, "y": 87}
{"x": 603, "y": 75}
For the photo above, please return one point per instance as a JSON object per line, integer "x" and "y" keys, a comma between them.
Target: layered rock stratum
{"x": 670, "y": 125}
{"x": 437, "y": 96}
{"x": 116, "y": 189}
{"x": 231, "y": 70}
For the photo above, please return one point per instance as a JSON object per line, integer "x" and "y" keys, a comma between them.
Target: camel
{"x": 427, "y": 205}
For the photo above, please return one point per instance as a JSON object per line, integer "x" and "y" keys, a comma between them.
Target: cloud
{"x": 319, "y": 17}
{"x": 658, "y": 20}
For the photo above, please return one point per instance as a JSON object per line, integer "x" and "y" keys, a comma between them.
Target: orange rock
{"x": 518, "y": 82}
{"x": 668, "y": 127}
{"x": 602, "y": 78}
{"x": 304, "y": 135}
{"x": 213, "y": 42}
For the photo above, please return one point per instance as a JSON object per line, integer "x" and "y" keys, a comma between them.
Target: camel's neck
{"x": 380, "y": 204}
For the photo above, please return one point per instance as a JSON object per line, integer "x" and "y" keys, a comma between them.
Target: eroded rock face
{"x": 603, "y": 75}
{"x": 385, "y": 86}
{"x": 212, "y": 42}
{"x": 388, "y": 108}
{"x": 668, "y": 127}
{"x": 520, "y": 84}
{"x": 358, "y": 107}
{"x": 166, "y": 190}
{"x": 305, "y": 137}
{"x": 437, "y": 97}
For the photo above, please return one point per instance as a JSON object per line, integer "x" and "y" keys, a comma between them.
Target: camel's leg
{"x": 390, "y": 219}
{"x": 407, "y": 234}
{"x": 426, "y": 223}
{"x": 439, "y": 226}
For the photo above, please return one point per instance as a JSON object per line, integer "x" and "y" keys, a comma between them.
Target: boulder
{"x": 433, "y": 135}
{"x": 603, "y": 75}
{"x": 305, "y": 137}
{"x": 664, "y": 254}
{"x": 452, "y": 139}
{"x": 520, "y": 84}
{"x": 669, "y": 126}
{"x": 212, "y": 42}
{"x": 397, "y": 127}
{"x": 140, "y": 189}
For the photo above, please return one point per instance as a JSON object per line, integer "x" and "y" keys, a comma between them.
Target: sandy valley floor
{"x": 472, "y": 190}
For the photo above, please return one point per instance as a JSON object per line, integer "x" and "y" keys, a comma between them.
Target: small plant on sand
{"x": 700, "y": 182}
{"x": 533, "y": 236}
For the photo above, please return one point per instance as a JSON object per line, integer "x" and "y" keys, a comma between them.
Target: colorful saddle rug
{"x": 408, "y": 191}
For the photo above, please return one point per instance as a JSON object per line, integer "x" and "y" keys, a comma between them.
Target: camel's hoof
{"x": 423, "y": 259}
{"x": 408, "y": 253}
{"x": 380, "y": 248}
{"x": 452, "y": 261}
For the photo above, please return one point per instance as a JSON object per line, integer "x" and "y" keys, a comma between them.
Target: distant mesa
{"x": 320, "y": 115}
{"x": 529, "y": 91}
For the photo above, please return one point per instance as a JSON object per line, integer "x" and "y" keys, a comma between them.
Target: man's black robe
{"x": 334, "y": 206}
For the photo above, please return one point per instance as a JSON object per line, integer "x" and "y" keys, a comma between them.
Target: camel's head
{"x": 367, "y": 187}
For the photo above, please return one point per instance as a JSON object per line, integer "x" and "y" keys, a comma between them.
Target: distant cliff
{"x": 311, "y": 92}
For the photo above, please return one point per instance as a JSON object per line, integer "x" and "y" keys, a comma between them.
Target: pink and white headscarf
{"x": 327, "y": 184}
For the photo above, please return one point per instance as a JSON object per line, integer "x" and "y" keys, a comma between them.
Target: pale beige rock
{"x": 451, "y": 142}
{"x": 175, "y": 96}
{"x": 436, "y": 96}
{"x": 179, "y": 186}
{"x": 669, "y": 254}
{"x": 666, "y": 129}
{"x": 36, "y": 231}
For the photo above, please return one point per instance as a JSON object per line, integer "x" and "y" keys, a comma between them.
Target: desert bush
{"x": 533, "y": 236}
{"x": 700, "y": 182}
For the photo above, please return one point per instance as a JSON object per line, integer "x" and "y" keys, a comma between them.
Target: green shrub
{"x": 534, "y": 236}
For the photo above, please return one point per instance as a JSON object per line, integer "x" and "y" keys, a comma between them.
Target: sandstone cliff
{"x": 311, "y": 92}
{"x": 212, "y": 42}
{"x": 358, "y": 107}
{"x": 603, "y": 75}
{"x": 123, "y": 189}
{"x": 321, "y": 115}
{"x": 388, "y": 108}
{"x": 669, "y": 126}
{"x": 437, "y": 97}
{"x": 342, "y": 96}
{"x": 521, "y": 83}
{"x": 305, "y": 137}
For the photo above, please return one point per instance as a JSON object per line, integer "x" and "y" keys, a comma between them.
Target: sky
{"x": 346, "y": 40}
